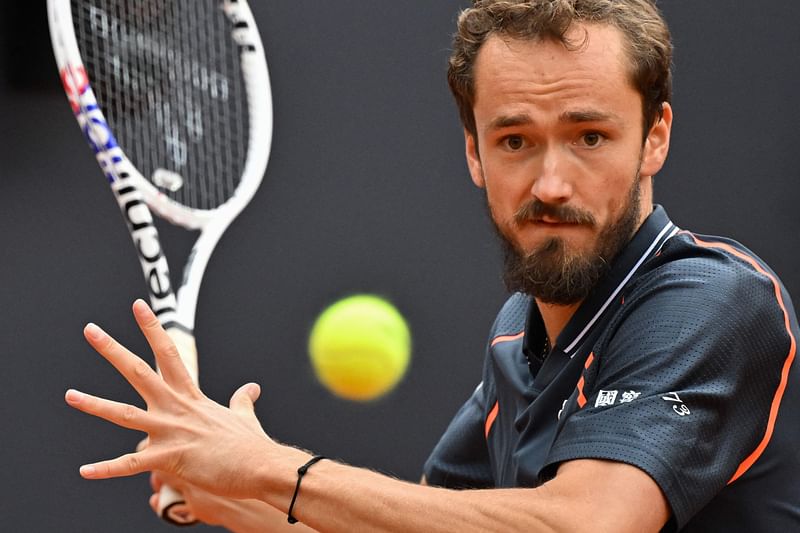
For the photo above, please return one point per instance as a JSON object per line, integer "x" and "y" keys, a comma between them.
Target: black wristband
{"x": 300, "y": 473}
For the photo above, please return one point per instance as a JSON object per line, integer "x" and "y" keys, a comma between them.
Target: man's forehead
{"x": 601, "y": 45}
{"x": 522, "y": 82}
{"x": 594, "y": 52}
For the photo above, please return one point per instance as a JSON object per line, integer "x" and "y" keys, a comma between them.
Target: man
{"x": 640, "y": 378}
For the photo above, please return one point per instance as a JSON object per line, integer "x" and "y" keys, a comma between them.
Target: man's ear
{"x": 474, "y": 159}
{"x": 656, "y": 146}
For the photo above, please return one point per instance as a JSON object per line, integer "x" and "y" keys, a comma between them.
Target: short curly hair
{"x": 647, "y": 40}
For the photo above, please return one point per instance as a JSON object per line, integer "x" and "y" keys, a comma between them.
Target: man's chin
{"x": 555, "y": 250}
{"x": 555, "y": 282}
{"x": 554, "y": 272}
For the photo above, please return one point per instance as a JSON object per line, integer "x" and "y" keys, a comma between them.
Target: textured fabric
{"x": 680, "y": 363}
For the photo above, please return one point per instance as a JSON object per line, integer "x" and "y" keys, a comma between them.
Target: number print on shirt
{"x": 563, "y": 406}
{"x": 677, "y": 404}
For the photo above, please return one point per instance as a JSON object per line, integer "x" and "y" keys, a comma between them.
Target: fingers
{"x": 121, "y": 414}
{"x": 135, "y": 370}
{"x": 166, "y": 352}
{"x": 155, "y": 482}
{"x": 244, "y": 398}
{"x": 126, "y": 465}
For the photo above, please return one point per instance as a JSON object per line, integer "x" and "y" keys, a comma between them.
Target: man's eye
{"x": 592, "y": 139}
{"x": 514, "y": 142}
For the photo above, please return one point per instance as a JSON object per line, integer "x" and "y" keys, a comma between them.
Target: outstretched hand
{"x": 190, "y": 436}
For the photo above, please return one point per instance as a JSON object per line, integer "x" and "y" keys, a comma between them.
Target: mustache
{"x": 535, "y": 210}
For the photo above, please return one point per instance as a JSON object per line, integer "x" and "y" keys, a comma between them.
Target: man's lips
{"x": 552, "y": 222}
{"x": 547, "y": 219}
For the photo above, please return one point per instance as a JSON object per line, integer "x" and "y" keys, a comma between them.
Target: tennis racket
{"x": 174, "y": 98}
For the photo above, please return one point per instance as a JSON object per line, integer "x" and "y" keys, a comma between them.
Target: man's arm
{"x": 585, "y": 494}
{"x": 226, "y": 452}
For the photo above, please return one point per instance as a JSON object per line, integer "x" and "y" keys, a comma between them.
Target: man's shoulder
{"x": 513, "y": 315}
{"x": 707, "y": 273}
{"x": 708, "y": 263}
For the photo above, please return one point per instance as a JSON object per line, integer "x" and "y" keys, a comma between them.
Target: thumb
{"x": 245, "y": 397}
{"x": 154, "y": 502}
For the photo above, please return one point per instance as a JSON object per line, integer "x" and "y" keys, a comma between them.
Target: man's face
{"x": 559, "y": 151}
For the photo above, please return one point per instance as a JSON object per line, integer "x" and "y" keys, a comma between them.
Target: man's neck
{"x": 555, "y": 317}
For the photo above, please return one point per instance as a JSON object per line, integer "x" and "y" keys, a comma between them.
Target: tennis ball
{"x": 360, "y": 347}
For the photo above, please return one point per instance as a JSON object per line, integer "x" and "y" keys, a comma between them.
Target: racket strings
{"x": 168, "y": 77}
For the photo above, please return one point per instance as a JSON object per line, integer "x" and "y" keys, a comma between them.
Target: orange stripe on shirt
{"x": 582, "y": 382}
{"x": 491, "y": 418}
{"x": 493, "y": 413}
{"x": 776, "y": 400}
{"x": 507, "y": 338}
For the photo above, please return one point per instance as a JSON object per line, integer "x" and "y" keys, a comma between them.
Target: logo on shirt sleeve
{"x": 629, "y": 396}
{"x": 607, "y": 398}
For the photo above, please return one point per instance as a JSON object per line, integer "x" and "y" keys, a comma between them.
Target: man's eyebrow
{"x": 587, "y": 116}
{"x": 574, "y": 117}
{"x": 509, "y": 121}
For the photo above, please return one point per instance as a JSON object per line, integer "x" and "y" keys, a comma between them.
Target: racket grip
{"x": 171, "y": 503}
{"x": 173, "y": 509}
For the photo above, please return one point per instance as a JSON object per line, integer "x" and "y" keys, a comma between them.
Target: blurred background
{"x": 366, "y": 191}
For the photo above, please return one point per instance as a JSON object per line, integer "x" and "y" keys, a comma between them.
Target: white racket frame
{"x": 114, "y": 162}
{"x": 134, "y": 193}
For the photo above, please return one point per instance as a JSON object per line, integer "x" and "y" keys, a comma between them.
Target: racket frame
{"x": 135, "y": 193}
{"x": 136, "y": 196}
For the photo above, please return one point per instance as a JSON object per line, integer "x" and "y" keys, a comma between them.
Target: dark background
{"x": 366, "y": 191}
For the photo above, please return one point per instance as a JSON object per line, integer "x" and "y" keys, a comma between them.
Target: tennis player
{"x": 639, "y": 378}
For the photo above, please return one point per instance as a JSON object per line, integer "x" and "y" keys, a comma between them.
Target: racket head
{"x": 177, "y": 93}
{"x": 110, "y": 69}
{"x": 177, "y": 108}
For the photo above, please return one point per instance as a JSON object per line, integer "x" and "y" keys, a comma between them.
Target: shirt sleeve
{"x": 682, "y": 383}
{"x": 461, "y": 460}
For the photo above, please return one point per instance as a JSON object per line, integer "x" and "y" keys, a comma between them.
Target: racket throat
{"x": 187, "y": 348}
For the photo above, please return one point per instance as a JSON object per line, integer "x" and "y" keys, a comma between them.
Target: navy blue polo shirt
{"x": 680, "y": 362}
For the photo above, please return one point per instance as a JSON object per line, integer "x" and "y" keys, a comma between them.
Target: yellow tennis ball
{"x": 360, "y": 347}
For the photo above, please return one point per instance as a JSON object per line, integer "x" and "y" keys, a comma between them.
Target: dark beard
{"x": 552, "y": 274}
